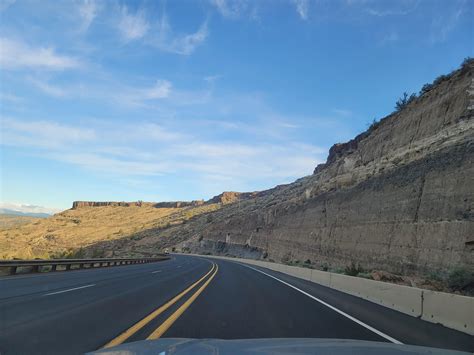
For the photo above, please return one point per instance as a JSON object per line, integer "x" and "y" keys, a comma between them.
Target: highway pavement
{"x": 192, "y": 297}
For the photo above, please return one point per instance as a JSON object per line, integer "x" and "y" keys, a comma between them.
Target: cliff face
{"x": 179, "y": 204}
{"x": 398, "y": 197}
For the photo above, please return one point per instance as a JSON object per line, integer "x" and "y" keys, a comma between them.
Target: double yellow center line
{"x": 168, "y": 322}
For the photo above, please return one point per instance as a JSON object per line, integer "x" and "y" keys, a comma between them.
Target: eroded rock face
{"x": 232, "y": 196}
{"x": 398, "y": 197}
{"x": 179, "y": 204}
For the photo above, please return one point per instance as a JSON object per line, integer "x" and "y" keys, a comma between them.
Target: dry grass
{"x": 8, "y": 221}
{"x": 70, "y": 230}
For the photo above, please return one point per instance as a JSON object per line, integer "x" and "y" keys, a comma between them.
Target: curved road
{"x": 192, "y": 297}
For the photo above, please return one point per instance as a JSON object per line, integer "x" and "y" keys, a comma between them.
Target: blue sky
{"x": 179, "y": 100}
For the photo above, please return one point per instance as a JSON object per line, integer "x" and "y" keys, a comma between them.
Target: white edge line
{"x": 378, "y": 332}
{"x": 154, "y": 272}
{"x": 71, "y": 289}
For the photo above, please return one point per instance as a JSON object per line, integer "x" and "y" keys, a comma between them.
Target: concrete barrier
{"x": 321, "y": 277}
{"x": 302, "y": 273}
{"x": 452, "y": 311}
{"x": 404, "y": 299}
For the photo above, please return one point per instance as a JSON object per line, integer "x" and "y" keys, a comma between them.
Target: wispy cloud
{"x": 161, "y": 151}
{"x": 235, "y": 9}
{"x": 15, "y": 54}
{"x": 48, "y": 88}
{"x": 88, "y": 10}
{"x": 184, "y": 44}
{"x": 8, "y": 97}
{"x": 133, "y": 26}
{"x": 390, "y": 37}
{"x": 442, "y": 26}
{"x": 42, "y": 134}
{"x": 122, "y": 94}
{"x": 385, "y": 8}
{"x": 302, "y": 7}
{"x": 342, "y": 112}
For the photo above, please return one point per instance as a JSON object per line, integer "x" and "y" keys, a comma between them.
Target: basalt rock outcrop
{"x": 231, "y": 196}
{"x": 398, "y": 197}
{"x": 179, "y": 204}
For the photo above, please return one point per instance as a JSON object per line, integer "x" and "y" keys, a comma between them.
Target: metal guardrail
{"x": 38, "y": 265}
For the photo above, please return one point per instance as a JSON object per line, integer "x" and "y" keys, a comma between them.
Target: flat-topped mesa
{"x": 79, "y": 204}
{"x": 179, "y": 204}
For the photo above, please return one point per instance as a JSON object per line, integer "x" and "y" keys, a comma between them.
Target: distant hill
{"x": 9, "y": 221}
{"x": 65, "y": 233}
{"x": 10, "y": 212}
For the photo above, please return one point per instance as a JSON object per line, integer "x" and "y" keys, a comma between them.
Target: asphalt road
{"x": 192, "y": 297}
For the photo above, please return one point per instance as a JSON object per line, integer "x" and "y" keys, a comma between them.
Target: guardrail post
{"x": 81, "y": 266}
{"x": 35, "y": 268}
{"x": 12, "y": 270}
{"x": 68, "y": 267}
{"x": 53, "y": 267}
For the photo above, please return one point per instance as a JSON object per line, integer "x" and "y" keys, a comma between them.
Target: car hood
{"x": 268, "y": 346}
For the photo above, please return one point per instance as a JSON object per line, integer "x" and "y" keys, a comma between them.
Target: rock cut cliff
{"x": 398, "y": 197}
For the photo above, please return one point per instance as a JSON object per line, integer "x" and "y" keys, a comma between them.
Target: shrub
{"x": 374, "y": 124}
{"x": 403, "y": 101}
{"x": 467, "y": 61}
{"x": 98, "y": 253}
{"x": 365, "y": 275}
{"x": 338, "y": 270}
{"x": 426, "y": 88}
{"x": 440, "y": 79}
{"x": 435, "y": 276}
{"x": 353, "y": 269}
{"x": 459, "y": 278}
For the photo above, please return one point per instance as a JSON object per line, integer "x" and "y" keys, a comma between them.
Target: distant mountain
{"x": 26, "y": 214}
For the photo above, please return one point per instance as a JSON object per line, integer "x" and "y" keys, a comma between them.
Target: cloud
{"x": 123, "y": 94}
{"x": 133, "y": 26}
{"x": 15, "y": 55}
{"x": 151, "y": 149}
{"x": 211, "y": 79}
{"x": 184, "y": 44}
{"x": 442, "y": 26}
{"x": 49, "y": 89}
{"x": 302, "y": 7}
{"x": 342, "y": 112}
{"x": 385, "y": 8}
{"x": 390, "y": 37}
{"x": 88, "y": 10}
{"x": 139, "y": 96}
{"x": 27, "y": 208}
{"x": 42, "y": 134}
{"x": 231, "y": 8}
{"x": 160, "y": 90}
{"x": 7, "y": 97}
